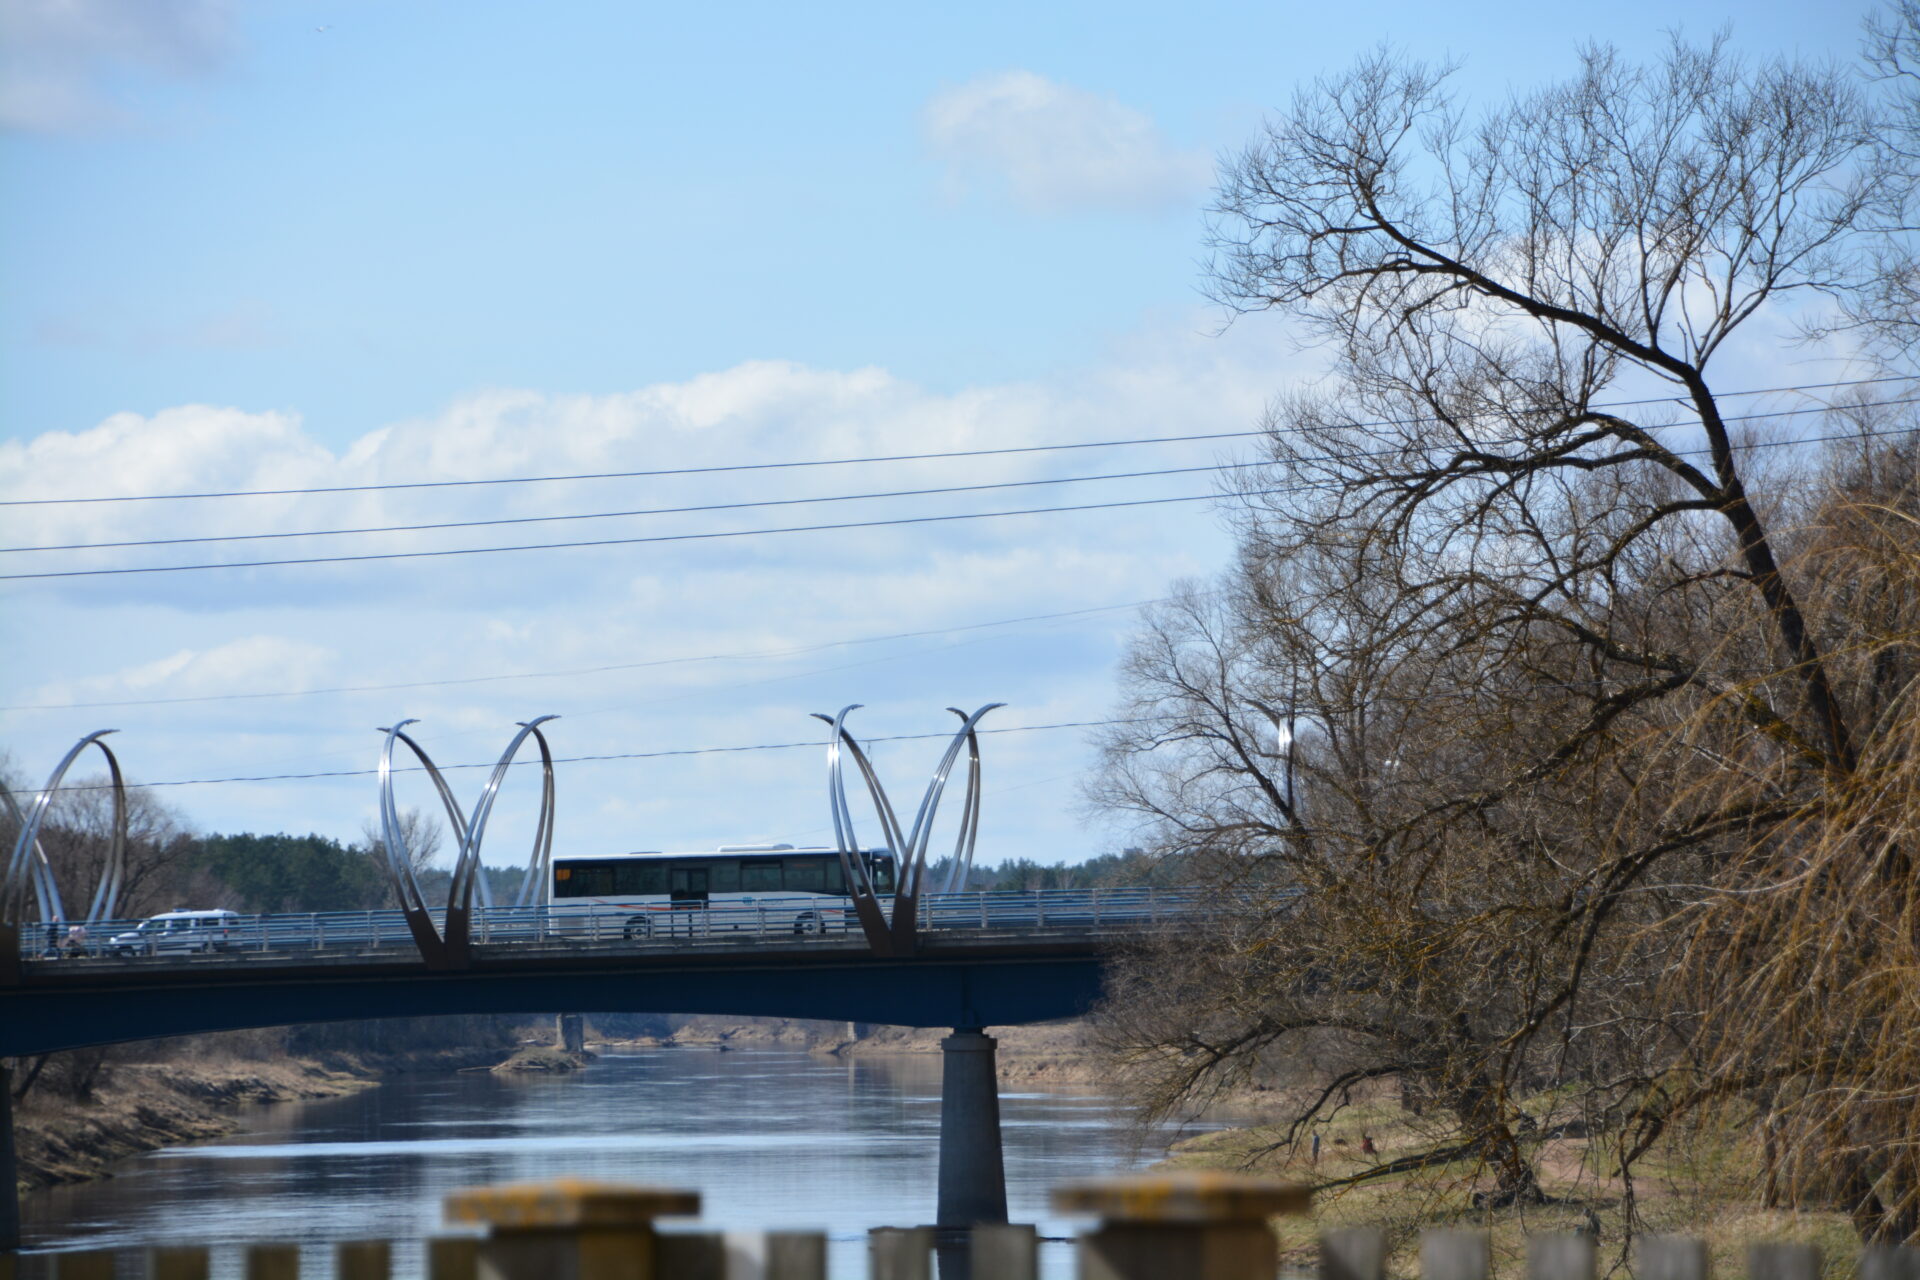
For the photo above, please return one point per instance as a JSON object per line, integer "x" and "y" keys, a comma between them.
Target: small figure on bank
{"x": 1315, "y": 1157}
{"x": 1366, "y": 1145}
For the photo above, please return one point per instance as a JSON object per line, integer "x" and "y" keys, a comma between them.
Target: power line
{"x": 832, "y": 462}
{"x": 761, "y": 655}
{"x": 813, "y": 528}
{"x": 618, "y": 542}
{"x": 624, "y": 755}
{"x": 789, "y": 502}
{"x": 649, "y": 511}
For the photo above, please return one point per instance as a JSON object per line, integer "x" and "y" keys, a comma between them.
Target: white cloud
{"x": 55, "y": 55}
{"x": 786, "y": 602}
{"x": 1055, "y": 147}
{"x": 259, "y": 661}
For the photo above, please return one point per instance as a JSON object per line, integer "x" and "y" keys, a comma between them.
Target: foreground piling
{"x": 568, "y": 1229}
{"x": 1195, "y": 1224}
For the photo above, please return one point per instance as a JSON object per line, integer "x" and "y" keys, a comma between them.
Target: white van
{"x": 178, "y": 931}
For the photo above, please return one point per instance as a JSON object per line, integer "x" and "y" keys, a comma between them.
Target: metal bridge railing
{"x": 500, "y": 931}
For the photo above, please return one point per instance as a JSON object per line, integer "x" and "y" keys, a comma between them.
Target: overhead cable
{"x": 806, "y": 528}
{"x": 792, "y": 502}
{"x": 842, "y": 462}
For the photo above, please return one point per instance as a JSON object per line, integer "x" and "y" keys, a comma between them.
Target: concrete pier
{"x": 570, "y": 1029}
{"x": 973, "y": 1182}
{"x": 9, "y": 1171}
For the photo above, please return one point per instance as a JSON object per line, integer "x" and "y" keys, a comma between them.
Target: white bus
{"x": 752, "y": 887}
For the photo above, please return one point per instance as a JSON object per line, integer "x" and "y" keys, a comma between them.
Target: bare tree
{"x": 1563, "y": 656}
{"x": 420, "y": 833}
{"x": 78, "y": 831}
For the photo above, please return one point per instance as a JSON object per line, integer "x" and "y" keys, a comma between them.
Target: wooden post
{"x": 1454, "y": 1255}
{"x": 1358, "y": 1253}
{"x": 568, "y": 1229}
{"x": 177, "y": 1262}
{"x": 1195, "y": 1224}
{"x": 1889, "y": 1262}
{"x": 1006, "y": 1251}
{"x": 1783, "y": 1262}
{"x": 362, "y": 1260}
{"x": 279, "y": 1261}
{"x": 901, "y": 1253}
{"x": 796, "y": 1255}
{"x": 453, "y": 1258}
{"x": 1571, "y": 1256}
{"x": 690, "y": 1255}
{"x": 92, "y": 1264}
{"x": 1670, "y": 1258}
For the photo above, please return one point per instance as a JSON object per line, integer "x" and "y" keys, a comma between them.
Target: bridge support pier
{"x": 973, "y": 1181}
{"x": 9, "y": 1174}
{"x": 570, "y": 1029}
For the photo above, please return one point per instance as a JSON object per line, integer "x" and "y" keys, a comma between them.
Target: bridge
{"x": 979, "y": 959}
{"x": 924, "y": 955}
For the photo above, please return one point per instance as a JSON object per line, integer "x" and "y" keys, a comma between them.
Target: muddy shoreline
{"x": 136, "y": 1106}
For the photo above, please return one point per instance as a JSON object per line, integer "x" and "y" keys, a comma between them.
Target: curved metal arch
{"x": 922, "y": 832}
{"x": 28, "y": 864}
{"x": 451, "y": 948}
{"x": 962, "y": 868}
{"x": 910, "y": 849}
{"x": 468, "y": 879}
{"x": 859, "y": 877}
{"x": 39, "y": 872}
{"x": 393, "y": 842}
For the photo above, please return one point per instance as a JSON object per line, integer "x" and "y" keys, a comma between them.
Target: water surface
{"x": 770, "y": 1140}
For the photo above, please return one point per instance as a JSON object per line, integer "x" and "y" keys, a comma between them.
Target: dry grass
{"x": 1697, "y": 1184}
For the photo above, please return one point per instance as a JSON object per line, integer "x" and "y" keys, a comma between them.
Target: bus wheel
{"x": 809, "y": 923}
{"x": 639, "y": 927}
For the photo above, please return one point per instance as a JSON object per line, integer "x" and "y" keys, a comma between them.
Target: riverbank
{"x": 131, "y": 1107}
{"x": 1055, "y": 1053}
{"x": 1702, "y": 1182}
{"x": 84, "y": 1115}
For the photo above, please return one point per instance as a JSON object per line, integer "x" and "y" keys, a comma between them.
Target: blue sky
{"x": 288, "y": 244}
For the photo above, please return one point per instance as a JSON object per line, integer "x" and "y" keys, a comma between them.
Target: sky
{"x": 300, "y": 244}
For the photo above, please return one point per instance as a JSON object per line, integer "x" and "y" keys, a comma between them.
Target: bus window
{"x": 689, "y": 883}
{"x": 583, "y": 880}
{"x": 806, "y": 875}
{"x": 836, "y": 878}
{"x": 634, "y": 879}
{"x": 726, "y": 877}
{"x": 882, "y": 875}
{"x": 760, "y": 875}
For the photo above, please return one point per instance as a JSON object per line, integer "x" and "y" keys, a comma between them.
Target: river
{"x": 769, "y": 1139}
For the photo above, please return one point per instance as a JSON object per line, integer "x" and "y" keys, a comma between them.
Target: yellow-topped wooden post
{"x": 1197, "y": 1224}
{"x": 568, "y": 1229}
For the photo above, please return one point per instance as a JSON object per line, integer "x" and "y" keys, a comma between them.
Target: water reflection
{"x": 770, "y": 1140}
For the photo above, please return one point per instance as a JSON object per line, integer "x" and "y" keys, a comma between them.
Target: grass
{"x": 1702, "y": 1183}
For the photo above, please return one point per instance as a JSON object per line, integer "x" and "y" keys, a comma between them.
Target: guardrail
{"x": 781, "y": 918}
{"x": 1184, "y": 1225}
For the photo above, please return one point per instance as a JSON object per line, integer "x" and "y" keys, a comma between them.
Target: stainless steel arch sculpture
{"x": 897, "y": 936}
{"x": 453, "y": 948}
{"x": 29, "y": 869}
